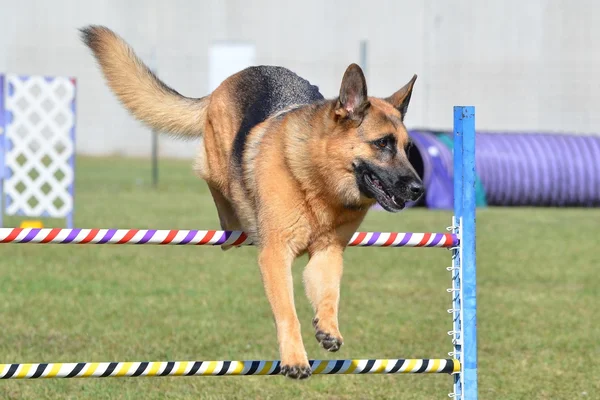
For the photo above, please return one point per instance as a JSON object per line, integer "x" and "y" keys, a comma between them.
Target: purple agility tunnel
{"x": 513, "y": 169}
{"x": 432, "y": 159}
{"x": 539, "y": 169}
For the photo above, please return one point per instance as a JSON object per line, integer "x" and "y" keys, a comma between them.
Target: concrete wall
{"x": 525, "y": 65}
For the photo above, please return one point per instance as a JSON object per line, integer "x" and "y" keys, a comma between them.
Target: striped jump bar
{"x": 220, "y": 368}
{"x": 199, "y": 237}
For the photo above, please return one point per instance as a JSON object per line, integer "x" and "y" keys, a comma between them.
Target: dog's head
{"x": 371, "y": 142}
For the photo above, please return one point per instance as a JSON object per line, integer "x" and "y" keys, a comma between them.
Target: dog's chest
{"x": 332, "y": 222}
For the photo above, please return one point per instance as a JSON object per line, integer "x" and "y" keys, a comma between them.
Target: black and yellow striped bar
{"x": 222, "y": 368}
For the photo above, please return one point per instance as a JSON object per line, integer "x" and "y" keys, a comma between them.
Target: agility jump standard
{"x": 462, "y": 365}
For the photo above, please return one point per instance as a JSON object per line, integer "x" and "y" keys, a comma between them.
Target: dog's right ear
{"x": 353, "y": 102}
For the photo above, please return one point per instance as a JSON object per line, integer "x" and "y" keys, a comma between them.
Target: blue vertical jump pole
{"x": 464, "y": 303}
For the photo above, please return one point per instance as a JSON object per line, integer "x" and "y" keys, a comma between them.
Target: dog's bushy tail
{"x": 139, "y": 90}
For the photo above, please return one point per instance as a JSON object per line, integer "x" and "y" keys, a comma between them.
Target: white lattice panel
{"x": 40, "y": 126}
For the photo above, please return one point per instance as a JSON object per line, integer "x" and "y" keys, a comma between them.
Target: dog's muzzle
{"x": 391, "y": 188}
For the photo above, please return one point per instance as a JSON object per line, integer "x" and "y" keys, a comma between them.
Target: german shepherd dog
{"x": 295, "y": 171}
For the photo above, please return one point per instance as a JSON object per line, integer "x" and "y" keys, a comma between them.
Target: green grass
{"x": 539, "y": 296}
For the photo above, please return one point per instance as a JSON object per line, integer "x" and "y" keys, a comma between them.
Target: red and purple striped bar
{"x": 199, "y": 237}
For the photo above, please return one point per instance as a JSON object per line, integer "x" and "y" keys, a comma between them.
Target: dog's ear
{"x": 353, "y": 101}
{"x": 401, "y": 98}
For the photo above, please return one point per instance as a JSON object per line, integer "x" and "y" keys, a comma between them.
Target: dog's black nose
{"x": 416, "y": 189}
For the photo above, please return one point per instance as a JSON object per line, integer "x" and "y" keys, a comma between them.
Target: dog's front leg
{"x": 322, "y": 277}
{"x": 276, "y": 270}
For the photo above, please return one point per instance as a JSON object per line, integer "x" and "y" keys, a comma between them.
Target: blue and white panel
{"x": 39, "y": 146}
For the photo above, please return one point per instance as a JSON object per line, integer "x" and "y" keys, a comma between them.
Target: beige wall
{"x": 525, "y": 65}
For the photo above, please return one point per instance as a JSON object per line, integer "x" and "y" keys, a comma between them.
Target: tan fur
{"x": 296, "y": 192}
{"x": 140, "y": 92}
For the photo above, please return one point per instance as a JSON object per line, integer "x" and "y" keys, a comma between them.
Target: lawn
{"x": 538, "y": 320}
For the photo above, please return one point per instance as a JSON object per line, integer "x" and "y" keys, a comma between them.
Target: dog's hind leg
{"x": 275, "y": 261}
{"x": 322, "y": 277}
{"x": 227, "y": 216}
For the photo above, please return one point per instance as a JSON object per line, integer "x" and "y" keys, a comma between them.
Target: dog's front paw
{"x": 328, "y": 340}
{"x": 296, "y": 371}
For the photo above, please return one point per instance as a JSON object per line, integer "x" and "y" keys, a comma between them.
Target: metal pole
{"x": 464, "y": 119}
{"x": 363, "y": 56}
{"x": 72, "y": 161}
{"x": 154, "y": 158}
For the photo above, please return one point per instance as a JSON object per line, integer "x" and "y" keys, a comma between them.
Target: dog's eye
{"x": 382, "y": 143}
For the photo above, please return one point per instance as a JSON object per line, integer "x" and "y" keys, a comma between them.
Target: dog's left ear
{"x": 401, "y": 98}
{"x": 353, "y": 101}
